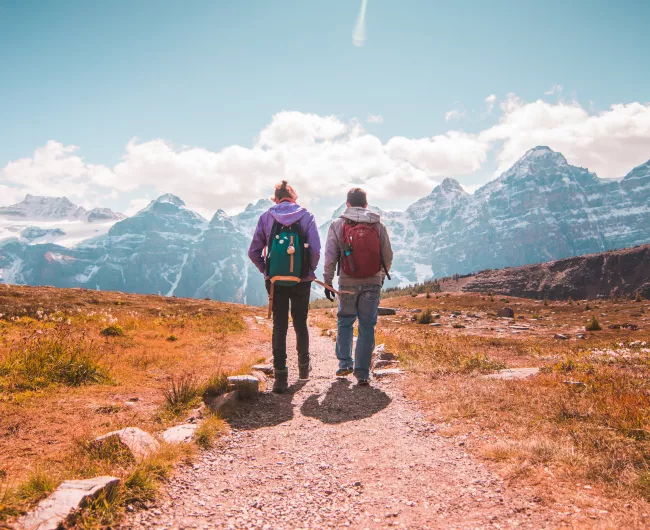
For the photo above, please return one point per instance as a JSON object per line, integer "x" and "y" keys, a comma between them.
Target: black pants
{"x": 298, "y": 296}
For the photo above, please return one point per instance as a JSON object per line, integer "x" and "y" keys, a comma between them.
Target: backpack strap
{"x": 383, "y": 263}
{"x": 275, "y": 228}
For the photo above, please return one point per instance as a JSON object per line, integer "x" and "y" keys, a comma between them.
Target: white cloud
{"x": 375, "y": 118}
{"x": 10, "y": 195}
{"x": 609, "y": 143}
{"x": 453, "y": 115}
{"x": 322, "y": 156}
{"x": 555, "y": 89}
{"x": 490, "y": 100}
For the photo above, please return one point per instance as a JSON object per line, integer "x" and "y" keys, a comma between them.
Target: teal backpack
{"x": 286, "y": 253}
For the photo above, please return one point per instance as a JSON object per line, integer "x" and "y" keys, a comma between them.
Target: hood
{"x": 287, "y": 213}
{"x": 360, "y": 215}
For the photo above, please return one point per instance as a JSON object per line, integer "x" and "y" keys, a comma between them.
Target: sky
{"x": 114, "y": 103}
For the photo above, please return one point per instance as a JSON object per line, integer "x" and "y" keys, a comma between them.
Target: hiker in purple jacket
{"x": 286, "y": 213}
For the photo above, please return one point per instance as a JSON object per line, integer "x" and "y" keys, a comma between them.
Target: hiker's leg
{"x": 347, "y": 314}
{"x": 299, "y": 309}
{"x": 280, "y": 326}
{"x": 368, "y": 305}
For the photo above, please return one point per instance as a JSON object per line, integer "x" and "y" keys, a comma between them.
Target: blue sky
{"x": 212, "y": 74}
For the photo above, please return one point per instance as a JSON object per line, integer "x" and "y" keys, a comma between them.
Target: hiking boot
{"x": 363, "y": 382}
{"x": 342, "y": 372}
{"x": 281, "y": 383}
{"x": 303, "y": 370}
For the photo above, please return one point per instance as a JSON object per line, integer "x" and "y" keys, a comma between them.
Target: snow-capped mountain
{"x": 541, "y": 209}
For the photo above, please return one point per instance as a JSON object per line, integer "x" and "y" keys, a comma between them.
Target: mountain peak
{"x": 543, "y": 154}
{"x": 449, "y": 185}
{"x": 169, "y": 198}
{"x": 262, "y": 204}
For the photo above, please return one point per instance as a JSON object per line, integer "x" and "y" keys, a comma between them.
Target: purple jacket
{"x": 286, "y": 213}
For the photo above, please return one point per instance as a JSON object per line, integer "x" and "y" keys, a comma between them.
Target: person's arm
{"x": 386, "y": 249}
{"x": 332, "y": 254}
{"x": 257, "y": 247}
{"x": 313, "y": 239}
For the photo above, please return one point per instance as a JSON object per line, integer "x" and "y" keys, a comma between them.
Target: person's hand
{"x": 330, "y": 294}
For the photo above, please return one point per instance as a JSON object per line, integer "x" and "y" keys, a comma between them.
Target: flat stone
{"x": 381, "y": 363}
{"x": 71, "y": 495}
{"x": 138, "y": 442}
{"x": 513, "y": 373}
{"x": 416, "y": 310}
{"x": 180, "y": 433}
{"x": 559, "y": 336}
{"x": 520, "y": 328}
{"x": 581, "y": 336}
{"x": 246, "y": 385}
{"x": 387, "y": 372}
{"x": 435, "y": 324}
{"x": 384, "y": 311}
{"x": 225, "y": 403}
{"x": 264, "y": 368}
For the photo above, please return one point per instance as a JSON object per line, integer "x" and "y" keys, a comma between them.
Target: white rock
{"x": 141, "y": 444}
{"x": 180, "y": 433}
{"x": 264, "y": 368}
{"x": 69, "y": 496}
{"x": 513, "y": 373}
{"x": 246, "y": 385}
{"x": 387, "y": 371}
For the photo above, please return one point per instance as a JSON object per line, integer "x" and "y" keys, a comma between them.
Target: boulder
{"x": 384, "y": 311}
{"x": 506, "y": 312}
{"x": 180, "y": 433}
{"x": 224, "y": 404}
{"x": 71, "y": 495}
{"x": 262, "y": 378}
{"x": 246, "y": 385}
{"x": 138, "y": 442}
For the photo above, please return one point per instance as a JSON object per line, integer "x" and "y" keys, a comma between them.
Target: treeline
{"x": 426, "y": 287}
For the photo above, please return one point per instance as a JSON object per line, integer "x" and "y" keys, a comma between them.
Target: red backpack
{"x": 360, "y": 249}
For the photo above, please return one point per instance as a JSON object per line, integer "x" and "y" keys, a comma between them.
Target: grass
{"x": 52, "y": 357}
{"x": 183, "y": 392}
{"x": 425, "y": 317}
{"x": 593, "y": 325}
{"x": 209, "y": 430}
{"x": 114, "y": 330}
{"x": 63, "y": 381}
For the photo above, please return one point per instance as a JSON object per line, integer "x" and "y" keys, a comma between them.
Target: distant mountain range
{"x": 539, "y": 210}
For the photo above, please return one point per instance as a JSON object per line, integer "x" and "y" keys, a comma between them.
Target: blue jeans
{"x": 363, "y": 303}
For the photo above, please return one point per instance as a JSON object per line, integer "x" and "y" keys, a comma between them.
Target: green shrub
{"x": 114, "y": 330}
{"x": 638, "y": 297}
{"x": 172, "y": 338}
{"x": 425, "y": 317}
{"x": 593, "y": 324}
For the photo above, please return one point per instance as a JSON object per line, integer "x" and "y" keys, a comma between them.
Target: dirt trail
{"x": 331, "y": 455}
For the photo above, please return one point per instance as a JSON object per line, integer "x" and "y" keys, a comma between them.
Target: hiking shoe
{"x": 281, "y": 383}
{"x": 303, "y": 371}
{"x": 342, "y": 372}
{"x": 363, "y": 382}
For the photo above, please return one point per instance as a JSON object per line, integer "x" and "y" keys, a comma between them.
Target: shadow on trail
{"x": 266, "y": 410}
{"x": 345, "y": 402}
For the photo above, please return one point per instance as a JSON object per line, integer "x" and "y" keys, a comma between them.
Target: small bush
{"x": 545, "y": 300}
{"x": 425, "y": 317}
{"x": 587, "y": 307}
{"x": 458, "y": 325}
{"x": 38, "y": 485}
{"x": 481, "y": 364}
{"x": 114, "y": 330}
{"x": 172, "y": 338}
{"x": 428, "y": 295}
{"x": 182, "y": 394}
{"x": 638, "y": 297}
{"x": 593, "y": 324}
{"x": 216, "y": 385}
{"x": 208, "y": 431}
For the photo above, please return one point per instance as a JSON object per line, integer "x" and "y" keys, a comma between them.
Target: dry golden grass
{"x": 75, "y": 364}
{"x": 585, "y": 419}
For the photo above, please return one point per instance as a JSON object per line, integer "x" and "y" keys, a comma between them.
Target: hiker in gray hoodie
{"x": 359, "y": 245}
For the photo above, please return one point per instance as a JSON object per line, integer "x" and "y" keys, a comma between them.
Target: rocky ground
{"x": 331, "y": 454}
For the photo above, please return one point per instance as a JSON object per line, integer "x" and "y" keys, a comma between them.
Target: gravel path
{"x": 333, "y": 455}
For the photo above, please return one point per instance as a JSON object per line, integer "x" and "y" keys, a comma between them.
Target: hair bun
{"x": 284, "y": 184}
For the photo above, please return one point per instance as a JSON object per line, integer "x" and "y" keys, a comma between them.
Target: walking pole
{"x": 296, "y": 279}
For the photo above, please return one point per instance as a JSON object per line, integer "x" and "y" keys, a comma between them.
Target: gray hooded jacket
{"x": 333, "y": 247}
